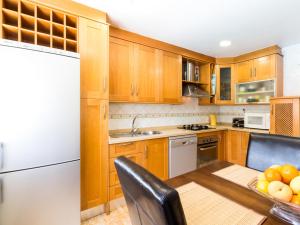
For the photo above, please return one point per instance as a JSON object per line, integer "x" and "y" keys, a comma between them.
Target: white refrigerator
{"x": 39, "y": 135}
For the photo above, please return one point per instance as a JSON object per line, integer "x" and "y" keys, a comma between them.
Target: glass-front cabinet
{"x": 258, "y": 92}
{"x": 225, "y": 87}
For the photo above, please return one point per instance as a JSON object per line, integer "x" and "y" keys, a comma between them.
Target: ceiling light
{"x": 225, "y": 43}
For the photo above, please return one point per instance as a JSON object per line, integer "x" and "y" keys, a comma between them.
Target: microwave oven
{"x": 257, "y": 120}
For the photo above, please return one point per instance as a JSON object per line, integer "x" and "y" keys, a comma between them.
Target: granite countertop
{"x": 173, "y": 132}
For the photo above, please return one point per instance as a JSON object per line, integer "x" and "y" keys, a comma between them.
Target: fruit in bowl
{"x": 282, "y": 182}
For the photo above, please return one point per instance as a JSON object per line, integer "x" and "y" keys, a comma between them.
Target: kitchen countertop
{"x": 173, "y": 132}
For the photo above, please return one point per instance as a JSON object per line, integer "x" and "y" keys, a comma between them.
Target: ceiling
{"x": 200, "y": 25}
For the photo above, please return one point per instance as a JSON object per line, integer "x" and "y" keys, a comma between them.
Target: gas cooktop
{"x": 195, "y": 127}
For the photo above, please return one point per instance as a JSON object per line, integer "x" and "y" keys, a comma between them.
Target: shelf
{"x": 27, "y": 22}
{"x": 71, "y": 33}
{"x": 71, "y": 21}
{"x": 10, "y": 17}
{"x": 27, "y": 36}
{"x": 58, "y": 17}
{"x": 193, "y": 82}
{"x": 10, "y": 32}
{"x": 43, "y": 26}
{"x": 43, "y": 13}
{"x": 43, "y": 39}
{"x": 71, "y": 45}
{"x": 58, "y": 30}
{"x": 27, "y": 8}
{"x": 255, "y": 93}
{"x": 58, "y": 43}
{"x": 11, "y": 4}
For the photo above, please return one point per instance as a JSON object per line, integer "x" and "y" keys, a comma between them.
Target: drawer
{"x": 137, "y": 158}
{"x": 113, "y": 179}
{"x": 115, "y": 192}
{"x": 124, "y": 149}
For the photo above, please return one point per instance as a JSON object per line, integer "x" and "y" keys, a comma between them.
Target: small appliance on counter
{"x": 238, "y": 122}
{"x": 259, "y": 120}
{"x": 213, "y": 120}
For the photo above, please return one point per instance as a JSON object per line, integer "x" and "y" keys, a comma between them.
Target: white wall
{"x": 291, "y": 62}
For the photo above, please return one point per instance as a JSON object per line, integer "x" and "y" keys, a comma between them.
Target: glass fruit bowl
{"x": 286, "y": 211}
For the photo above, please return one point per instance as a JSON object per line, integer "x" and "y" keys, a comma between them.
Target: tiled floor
{"x": 117, "y": 217}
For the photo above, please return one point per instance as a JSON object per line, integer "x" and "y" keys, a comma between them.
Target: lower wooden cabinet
{"x": 94, "y": 152}
{"x": 237, "y": 145}
{"x": 151, "y": 154}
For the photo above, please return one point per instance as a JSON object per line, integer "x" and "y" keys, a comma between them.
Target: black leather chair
{"x": 265, "y": 150}
{"x": 149, "y": 200}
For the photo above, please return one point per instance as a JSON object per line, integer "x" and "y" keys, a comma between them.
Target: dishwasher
{"x": 182, "y": 155}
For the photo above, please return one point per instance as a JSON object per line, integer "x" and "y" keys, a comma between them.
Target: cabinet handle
{"x": 137, "y": 91}
{"x": 105, "y": 112}
{"x": 126, "y": 144}
{"x": 146, "y": 152}
{"x": 104, "y": 85}
{"x": 1, "y": 155}
{"x": 272, "y": 109}
{"x": 255, "y": 71}
{"x": 132, "y": 89}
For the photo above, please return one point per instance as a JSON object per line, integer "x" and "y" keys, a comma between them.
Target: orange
{"x": 288, "y": 172}
{"x": 296, "y": 199}
{"x": 272, "y": 175}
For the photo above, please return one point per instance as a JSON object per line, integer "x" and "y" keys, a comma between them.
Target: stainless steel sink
{"x": 136, "y": 134}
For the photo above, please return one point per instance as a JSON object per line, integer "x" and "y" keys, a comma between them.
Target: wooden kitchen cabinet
{"x": 225, "y": 84}
{"x": 121, "y": 59}
{"x": 156, "y": 157}
{"x": 146, "y": 74}
{"x": 244, "y": 71}
{"x": 237, "y": 146}
{"x": 93, "y": 41}
{"x": 262, "y": 68}
{"x": 170, "y": 78}
{"x": 94, "y": 152}
{"x": 285, "y": 116}
{"x": 143, "y": 74}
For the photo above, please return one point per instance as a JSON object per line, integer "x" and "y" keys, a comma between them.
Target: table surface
{"x": 232, "y": 191}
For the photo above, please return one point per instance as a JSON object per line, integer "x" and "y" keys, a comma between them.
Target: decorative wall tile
{"x": 154, "y": 115}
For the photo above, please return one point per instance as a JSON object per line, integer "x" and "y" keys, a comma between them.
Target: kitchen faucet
{"x": 133, "y": 129}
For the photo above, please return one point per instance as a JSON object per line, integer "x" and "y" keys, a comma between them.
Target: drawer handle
{"x": 146, "y": 152}
{"x": 126, "y": 144}
{"x": 208, "y": 148}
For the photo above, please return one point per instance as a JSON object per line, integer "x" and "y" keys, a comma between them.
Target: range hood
{"x": 194, "y": 91}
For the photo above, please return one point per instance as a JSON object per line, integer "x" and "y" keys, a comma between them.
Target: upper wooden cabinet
{"x": 146, "y": 74}
{"x": 225, "y": 84}
{"x": 143, "y": 74}
{"x": 262, "y": 68}
{"x": 121, "y": 83}
{"x": 285, "y": 116}
{"x": 93, "y": 41}
{"x": 170, "y": 77}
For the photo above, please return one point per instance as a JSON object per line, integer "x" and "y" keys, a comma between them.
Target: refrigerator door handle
{"x": 1, "y": 191}
{"x": 1, "y": 155}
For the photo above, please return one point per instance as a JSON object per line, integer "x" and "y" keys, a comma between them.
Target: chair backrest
{"x": 149, "y": 200}
{"x": 265, "y": 150}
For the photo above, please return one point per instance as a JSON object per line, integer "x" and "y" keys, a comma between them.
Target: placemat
{"x": 204, "y": 207}
{"x": 237, "y": 174}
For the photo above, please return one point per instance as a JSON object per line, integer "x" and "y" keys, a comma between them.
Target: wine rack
{"x": 25, "y": 21}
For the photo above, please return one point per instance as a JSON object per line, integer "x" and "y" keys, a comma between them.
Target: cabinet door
{"x": 93, "y": 40}
{"x": 121, "y": 61}
{"x": 264, "y": 68}
{"x": 225, "y": 84}
{"x": 156, "y": 157}
{"x": 237, "y": 145}
{"x": 244, "y": 71}
{"x": 94, "y": 152}
{"x": 170, "y": 78}
{"x": 146, "y": 74}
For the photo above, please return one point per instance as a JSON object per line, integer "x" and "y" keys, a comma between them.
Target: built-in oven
{"x": 207, "y": 150}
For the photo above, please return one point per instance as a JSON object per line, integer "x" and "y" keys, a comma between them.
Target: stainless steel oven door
{"x": 207, "y": 153}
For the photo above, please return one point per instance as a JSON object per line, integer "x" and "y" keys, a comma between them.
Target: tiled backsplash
{"x": 155, "y": 115}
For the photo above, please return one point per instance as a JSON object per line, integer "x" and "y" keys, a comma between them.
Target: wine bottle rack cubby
{"x": 25, "y": 21}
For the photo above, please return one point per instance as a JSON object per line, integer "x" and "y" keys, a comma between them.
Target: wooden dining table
{"x": 241, "y": 195}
